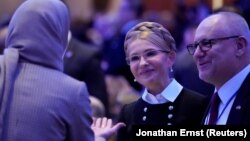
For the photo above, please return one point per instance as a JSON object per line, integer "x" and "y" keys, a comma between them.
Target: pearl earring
{"x": 171, "y": 70}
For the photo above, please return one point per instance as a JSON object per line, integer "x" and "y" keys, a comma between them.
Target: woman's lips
{"x": 146, "y": 72}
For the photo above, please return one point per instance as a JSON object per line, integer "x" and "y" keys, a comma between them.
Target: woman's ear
{"x": 172, "y": 57}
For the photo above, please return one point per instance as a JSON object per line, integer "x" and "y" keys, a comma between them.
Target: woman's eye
{"x": 150, "y": 53}
{"x": 134, "y": 58}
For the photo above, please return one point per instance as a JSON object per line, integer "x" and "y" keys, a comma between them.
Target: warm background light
{"x": 217, "y": 4}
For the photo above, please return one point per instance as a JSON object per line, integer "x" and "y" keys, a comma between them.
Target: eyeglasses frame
{"x": 142, "y": 54}
{"x": 211, "y": 43}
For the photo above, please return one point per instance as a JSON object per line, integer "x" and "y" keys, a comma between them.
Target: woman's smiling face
{"x": 149, "y": 64}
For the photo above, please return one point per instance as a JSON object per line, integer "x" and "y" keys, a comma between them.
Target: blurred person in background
{"x": 83, "y": 62}
{"x": 113, "y": 32}
{"x": 185, "y": 69}
{"x": 98, "y": 109}
{"x": 120, "y": 93}
{"x": 189, "y": 12}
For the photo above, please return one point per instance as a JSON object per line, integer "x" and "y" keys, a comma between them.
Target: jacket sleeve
{"x": 80, "y": 127}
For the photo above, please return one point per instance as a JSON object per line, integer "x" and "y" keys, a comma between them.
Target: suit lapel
{"x": 240, "y": 104}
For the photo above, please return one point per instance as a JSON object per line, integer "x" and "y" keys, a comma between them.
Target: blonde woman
{"x": 150, "y": 52}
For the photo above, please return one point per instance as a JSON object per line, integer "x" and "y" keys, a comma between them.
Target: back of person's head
{"x": 154, "y": 33}
{"x": 38, "y": 30}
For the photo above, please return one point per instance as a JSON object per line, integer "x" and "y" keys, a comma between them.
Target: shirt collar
{"x": 231, "y": 86}
{"x": 170, "y": 93}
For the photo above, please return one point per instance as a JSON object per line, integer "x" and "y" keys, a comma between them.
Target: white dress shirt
{"x": 227, "y": 94}
{"x": 170, "y": 93}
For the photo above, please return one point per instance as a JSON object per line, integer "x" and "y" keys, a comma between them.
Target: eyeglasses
{"x": 206, "y": 44}
{"x": 147, "y": 55}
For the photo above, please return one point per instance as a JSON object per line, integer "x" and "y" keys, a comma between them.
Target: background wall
{"x": 84, "y": 8}
{"x": 79, "y": 8}
{"x": 8, "y": 6}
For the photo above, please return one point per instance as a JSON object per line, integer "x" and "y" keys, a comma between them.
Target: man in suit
{"x": 221, "y": 52}
{"x": 37, "y": 100}
{"x": 83, "y": 62}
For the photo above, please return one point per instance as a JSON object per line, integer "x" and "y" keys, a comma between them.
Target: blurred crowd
{"x": 100, "y": 61}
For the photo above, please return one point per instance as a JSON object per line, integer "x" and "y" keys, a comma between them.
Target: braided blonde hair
{"x": 153, "y": 32}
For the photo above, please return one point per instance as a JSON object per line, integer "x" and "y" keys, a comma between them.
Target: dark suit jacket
{"x": 83, "y": 62}
{"x": 240, "y": 111}
{"x": 187, "y": 109}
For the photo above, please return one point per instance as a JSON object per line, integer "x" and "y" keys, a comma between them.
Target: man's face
{"x": 216, "y": 64}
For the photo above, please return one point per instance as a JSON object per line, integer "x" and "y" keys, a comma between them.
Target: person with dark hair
{"x": 129, "y": 14}
{"x": 82, "y": 61}
{"x": 37, "y": 100}
{"x": 185, "y": 68}
{"x": 151, "y": 52}
{"x": 221, "y": 51}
